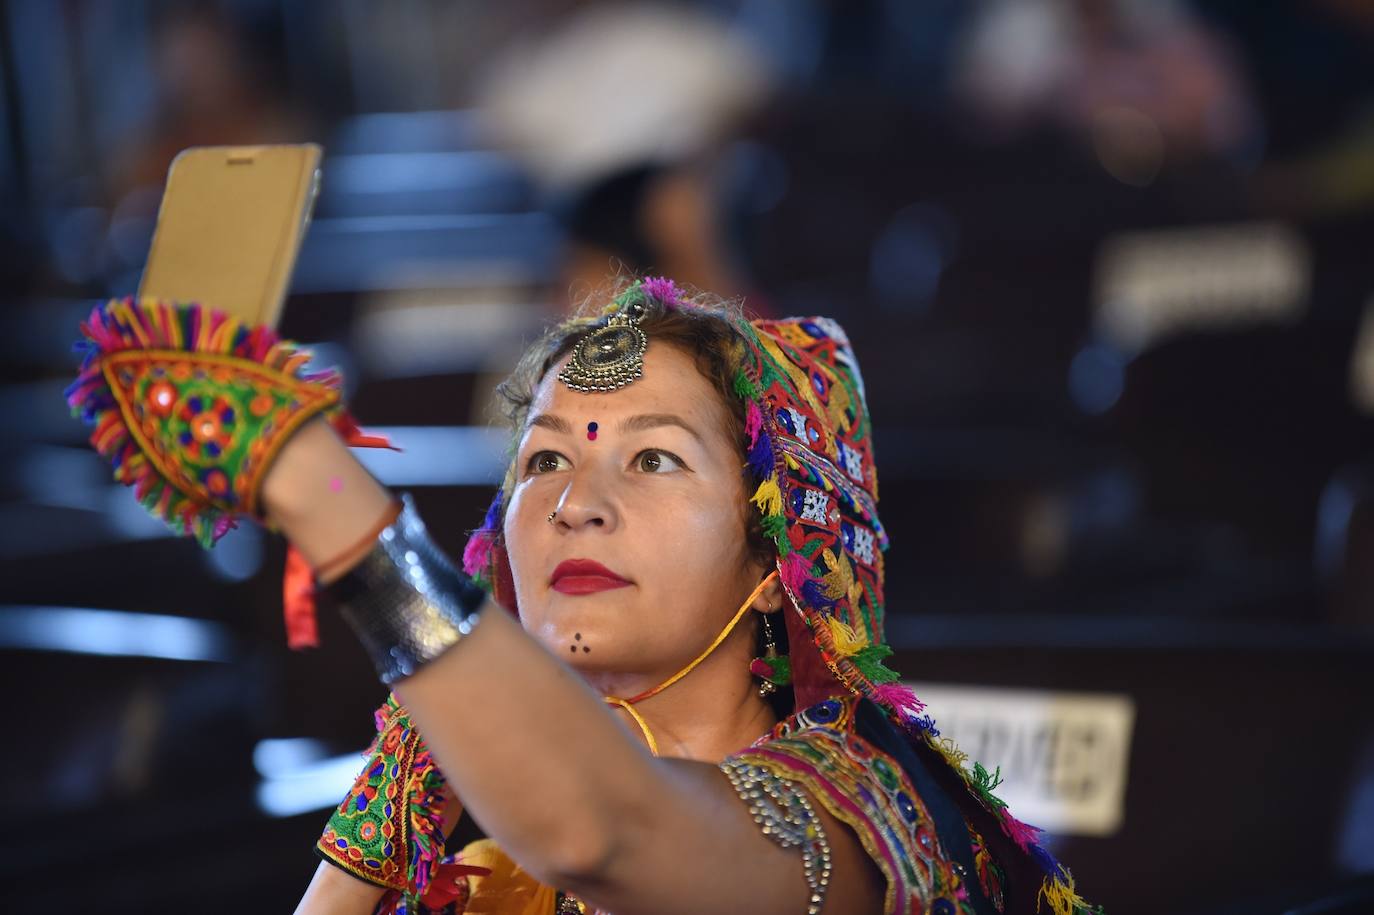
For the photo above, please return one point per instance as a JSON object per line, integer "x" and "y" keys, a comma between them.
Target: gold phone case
{"x": 230, "y": 226}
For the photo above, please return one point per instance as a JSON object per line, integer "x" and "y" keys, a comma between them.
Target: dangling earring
{"x": 770, "y": 653}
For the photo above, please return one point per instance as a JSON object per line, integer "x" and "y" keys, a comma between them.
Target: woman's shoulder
{"x": 928, "y": 819}
{"x": 849, "y": 757}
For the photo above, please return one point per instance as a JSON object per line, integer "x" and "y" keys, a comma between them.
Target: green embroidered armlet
{"x": 387, "y": 830}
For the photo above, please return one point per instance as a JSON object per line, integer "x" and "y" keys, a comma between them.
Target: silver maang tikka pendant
{"x": 609, "y": 357}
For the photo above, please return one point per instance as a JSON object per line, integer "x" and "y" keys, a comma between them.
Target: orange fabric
{"x": 298, "y": 602}
{"x": 507, "y": 890}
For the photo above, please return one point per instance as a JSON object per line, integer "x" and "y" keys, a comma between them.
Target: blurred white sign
{"x": 1063, "y": 755}
{"x": 1151, "y": 285}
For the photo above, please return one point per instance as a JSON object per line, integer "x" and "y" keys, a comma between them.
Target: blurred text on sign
{"x": 1063, "y": 755}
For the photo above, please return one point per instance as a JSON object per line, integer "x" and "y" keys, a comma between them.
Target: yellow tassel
{"x": 768, "y": 497}
{"x": 839, "y": 579}
{"x": 1062, "y": 897}
{"x": 957, "y": 758}
{"x": 791, "y": 462}
{"x": 847, "y": 639}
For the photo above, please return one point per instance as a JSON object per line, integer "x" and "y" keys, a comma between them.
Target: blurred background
{"x": 1106, "y": 264}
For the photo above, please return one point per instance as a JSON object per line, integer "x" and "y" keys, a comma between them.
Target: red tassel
{"x": 298, "y": 602}
{"x": 348, "y": 429}
{"x": 449, "y": 884}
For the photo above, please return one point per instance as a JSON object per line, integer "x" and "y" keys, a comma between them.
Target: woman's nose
{"x": 584, "y": 504}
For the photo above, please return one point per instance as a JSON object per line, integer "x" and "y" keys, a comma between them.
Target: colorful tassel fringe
{"x": 1057, "y": 887}
{"x": 777, "y": 671}
{"x": 123, "y": 325}
{"x": 477, "y": 554}
{"x": 899, "y": 699}
{"x": 762, "y": 462}
{"x": 794, "y": 571}
{"x": 768, "y": 497}
{"x": 662, "y": 289}
{"x": 848, "y": 641}
{"x": 426, "y": 819}
{"x": 753, "y": 423}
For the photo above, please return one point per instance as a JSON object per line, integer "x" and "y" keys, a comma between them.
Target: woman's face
{"x": 654, "y": 498}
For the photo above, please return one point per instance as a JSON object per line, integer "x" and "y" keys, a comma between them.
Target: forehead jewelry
{"x": 609, "y": 357}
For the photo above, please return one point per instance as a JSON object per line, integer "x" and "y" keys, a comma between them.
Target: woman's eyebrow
{"x": 550, "y": 421}
{"x": 645, "y": 421}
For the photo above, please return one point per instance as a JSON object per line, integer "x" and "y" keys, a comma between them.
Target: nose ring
{"x": 552, "y": 515}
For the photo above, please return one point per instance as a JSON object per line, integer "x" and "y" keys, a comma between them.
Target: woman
{"x": 689, "y": 491}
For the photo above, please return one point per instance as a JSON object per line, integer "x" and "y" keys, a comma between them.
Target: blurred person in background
{"x": 624, "y": 114}
{"x": 216, "y": 88}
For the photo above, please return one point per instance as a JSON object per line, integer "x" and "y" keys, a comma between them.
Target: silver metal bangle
{"x": 784, "y": 814}
{"x": 407, "y": 602}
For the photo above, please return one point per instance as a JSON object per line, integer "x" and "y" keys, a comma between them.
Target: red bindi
{"x": 591, "y": 432}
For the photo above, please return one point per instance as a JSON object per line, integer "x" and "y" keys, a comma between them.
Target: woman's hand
{"x": 322, "y": 498}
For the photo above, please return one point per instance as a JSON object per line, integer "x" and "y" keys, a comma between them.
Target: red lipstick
{"x": 584, "y": 576}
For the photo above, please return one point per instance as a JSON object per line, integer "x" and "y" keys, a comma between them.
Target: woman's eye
{"x": 547, "y": 462}
{"x": 657, "y": 461}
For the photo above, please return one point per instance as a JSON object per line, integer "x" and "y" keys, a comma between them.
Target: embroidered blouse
{"x": 843, "y": 752}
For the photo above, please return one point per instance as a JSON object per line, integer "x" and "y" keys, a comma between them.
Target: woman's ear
{"x": 770, "y": 598}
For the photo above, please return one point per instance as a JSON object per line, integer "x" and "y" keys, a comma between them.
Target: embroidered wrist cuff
{"x": 405, "y": 600}
{"x": 191, "y": 406}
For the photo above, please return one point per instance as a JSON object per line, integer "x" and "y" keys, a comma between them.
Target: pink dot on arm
{"x": 335, "y": 484}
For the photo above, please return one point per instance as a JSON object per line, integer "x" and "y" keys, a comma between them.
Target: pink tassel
{"x": 1023, "y": 834}
{"x": 899, "y": 698}
{"x": 662, "y": 289}
{"x": 477, "y": 554}
{"x": 795, "y": 572}
{"x": 753, "y": 423}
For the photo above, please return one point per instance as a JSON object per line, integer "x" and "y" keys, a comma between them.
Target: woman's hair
{"x": 702, "y": 326}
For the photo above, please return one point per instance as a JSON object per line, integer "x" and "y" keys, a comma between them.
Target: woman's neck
{"x": 707, "y": 715}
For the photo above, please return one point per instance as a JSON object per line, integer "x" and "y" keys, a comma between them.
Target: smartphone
{"x": 230, "y": 226}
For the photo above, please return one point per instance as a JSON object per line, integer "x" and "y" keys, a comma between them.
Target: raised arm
{"x": 544, "y": 766}
{"x": 334, "y": 892}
